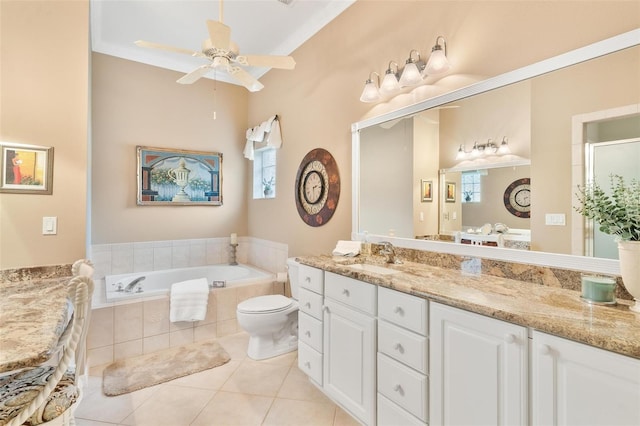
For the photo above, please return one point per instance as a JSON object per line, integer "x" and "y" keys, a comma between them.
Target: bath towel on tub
{"x": 189, "y": 300}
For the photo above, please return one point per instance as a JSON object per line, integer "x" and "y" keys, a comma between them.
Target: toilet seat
{"x": 265, "y": 304}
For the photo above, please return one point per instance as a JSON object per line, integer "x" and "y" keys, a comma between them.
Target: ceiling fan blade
{"x": 282, "y": 62}
{"x": 195, "y": 75}
{"x": 246, "y": 79}
{"x": 219, "y": 34}
{"x": 152, "y": 45}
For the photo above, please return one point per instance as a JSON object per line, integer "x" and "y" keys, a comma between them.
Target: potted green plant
{"x": 267, "y": 185}
{"x": 618, "y": 213}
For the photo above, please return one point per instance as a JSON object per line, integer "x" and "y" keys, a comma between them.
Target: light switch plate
{"x": 49, "y": 225}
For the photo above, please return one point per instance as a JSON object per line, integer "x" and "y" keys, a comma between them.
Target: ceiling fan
{"x": 223, "y": 54}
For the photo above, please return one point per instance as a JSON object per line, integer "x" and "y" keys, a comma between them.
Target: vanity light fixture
{"x": 438, "y": 62}
{"x": 504, "y": 147}
{"x": 488, "y": 148}
{"x": 411, "y": 75}
{"x": 390, "y": 83}
{"x": 370, "y": 93}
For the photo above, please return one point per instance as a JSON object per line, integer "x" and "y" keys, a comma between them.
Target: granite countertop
{"x": 33, "y": 315}
{"x": 552, "y": 310}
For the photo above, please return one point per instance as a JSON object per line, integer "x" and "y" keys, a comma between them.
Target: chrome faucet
{"x": 129, "y": 288}
{"x": 389, "y": 251}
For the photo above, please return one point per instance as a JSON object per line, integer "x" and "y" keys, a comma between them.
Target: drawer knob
{"x": 325, "y": 308}
{"x": 307, "y": 279}
{"x": 308, "y": 304}
{"x": 510, "y": 338}
{"x": 545, "y": 349}
{"x": 345, "y": 292}
{"x": 307, "y": 333}
{"x": 308, "y": 365}
{"x": 398, "y": 347}
{"x": 398, "y": 389}
{"x": 398, "y": 310}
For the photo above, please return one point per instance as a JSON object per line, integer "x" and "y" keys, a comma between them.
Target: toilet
{"x": 271, "y": 321}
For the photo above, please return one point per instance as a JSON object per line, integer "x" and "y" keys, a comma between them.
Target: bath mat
{"x": 131, "y": 374}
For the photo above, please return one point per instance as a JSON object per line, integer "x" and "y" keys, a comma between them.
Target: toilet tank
{"x": 293, "y": 268}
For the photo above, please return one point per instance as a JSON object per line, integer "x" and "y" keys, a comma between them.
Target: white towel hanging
{"x": 274, "y": 138}
{"x": 188, "y": 301}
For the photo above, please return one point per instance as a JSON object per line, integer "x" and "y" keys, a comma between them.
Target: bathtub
{"x": 157, "y": 283}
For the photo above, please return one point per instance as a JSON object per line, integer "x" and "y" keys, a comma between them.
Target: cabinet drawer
{"x": 311, "y": 278}
{"x": 409, "y": 348}
{"x": 403, "y": 309}
{"x": 402, "y": 385}
{"x": 310, "y": 303}
{"x": 354, "y": 293}
{"x": 389, "y": 414}
{"x": 310, "y": 362}
{"x": 310, "y": 331}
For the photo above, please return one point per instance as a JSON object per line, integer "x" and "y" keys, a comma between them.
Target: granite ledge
{"x": 552, "y": 310}
{"x": 33, "y": 314}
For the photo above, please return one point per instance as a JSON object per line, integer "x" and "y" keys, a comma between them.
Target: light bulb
{"x": 410, "y": 75}
{"x": 370, "y": 92}
{"x": 389, "y": 83}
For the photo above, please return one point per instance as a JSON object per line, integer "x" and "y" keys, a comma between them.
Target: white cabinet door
{"x": 576, "y": 384}
{"x": 478, "y": 369}
{"x": 349, "y": 360}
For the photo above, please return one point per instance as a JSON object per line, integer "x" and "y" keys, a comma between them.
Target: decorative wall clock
{"x": 317, "y": 187}
{"x": 517, "y": 198}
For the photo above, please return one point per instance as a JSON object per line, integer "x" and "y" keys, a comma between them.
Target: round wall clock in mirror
{"x": 317, "y": 188}
{"x": 517, "y": 197}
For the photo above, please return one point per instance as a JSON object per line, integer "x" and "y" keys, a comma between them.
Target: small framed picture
{"x": 450, "y": 192}
{"x": 26, "y": 169}
{"x": 426, "y": 190}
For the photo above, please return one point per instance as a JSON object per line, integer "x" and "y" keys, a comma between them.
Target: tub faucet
{"x": 389, "y": 251}
{"x": 129, "y": 288}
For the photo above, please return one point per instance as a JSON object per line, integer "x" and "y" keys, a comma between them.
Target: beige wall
{"x": 582, "y": 92}
{"x": 136, "y": 104}
{"x": 44, "y": 50}
{"x": 318, "y": 101}
{"x": 45, "y": 98}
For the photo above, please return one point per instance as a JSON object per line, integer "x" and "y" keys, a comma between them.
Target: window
{"x": 471, "y": 187}
{"x": 264, "y": 173}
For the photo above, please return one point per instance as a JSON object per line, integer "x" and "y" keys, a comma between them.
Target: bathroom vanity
{"x": 415, "y": 344}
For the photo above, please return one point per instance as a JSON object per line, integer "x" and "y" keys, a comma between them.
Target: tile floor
{"x": 242, "y": 392}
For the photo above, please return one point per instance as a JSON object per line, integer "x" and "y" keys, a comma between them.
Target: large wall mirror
{"x": 592, "y": 94}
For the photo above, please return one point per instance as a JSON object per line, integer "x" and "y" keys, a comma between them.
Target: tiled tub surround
{"x": 141, "y": 327}
{"x": 541, "y": 298}
{"x": 125, "y": 258}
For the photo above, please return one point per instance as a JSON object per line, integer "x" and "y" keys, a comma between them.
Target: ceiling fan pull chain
{"x": 215, "y": 88}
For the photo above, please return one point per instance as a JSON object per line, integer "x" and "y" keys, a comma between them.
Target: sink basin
{"x": 373, "y": 269}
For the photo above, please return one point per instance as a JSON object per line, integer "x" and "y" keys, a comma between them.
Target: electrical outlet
{"x": 555, "y": 219}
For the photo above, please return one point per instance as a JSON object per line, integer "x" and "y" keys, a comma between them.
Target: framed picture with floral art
{"x": 178, "y": 177}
